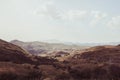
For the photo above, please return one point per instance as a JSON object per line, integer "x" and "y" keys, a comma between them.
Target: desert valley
{"x": 25, "y": 61}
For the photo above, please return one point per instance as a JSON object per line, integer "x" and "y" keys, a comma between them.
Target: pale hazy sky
{"x": 64, "y": 20}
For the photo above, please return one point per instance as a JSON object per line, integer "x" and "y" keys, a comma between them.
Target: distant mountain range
{"x": 81, "y": 44}
{"x": 38, "y": 48}
{"x": 97, "y": 44}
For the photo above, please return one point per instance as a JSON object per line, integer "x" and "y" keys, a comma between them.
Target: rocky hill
{"x": 13, "y": 53}
{"x": 100, "y": 54}
{"x": 17, "y": 64}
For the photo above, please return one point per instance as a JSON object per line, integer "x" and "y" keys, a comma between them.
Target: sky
{"x": 83, "y": 21}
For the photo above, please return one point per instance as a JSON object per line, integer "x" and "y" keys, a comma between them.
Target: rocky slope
{"x": 17, "y": 64}
{"x": 13, "y": 53}
{"x": 100, "y": 54}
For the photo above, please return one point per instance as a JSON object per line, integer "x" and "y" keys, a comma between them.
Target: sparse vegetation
{"x": 97, "y": 64}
